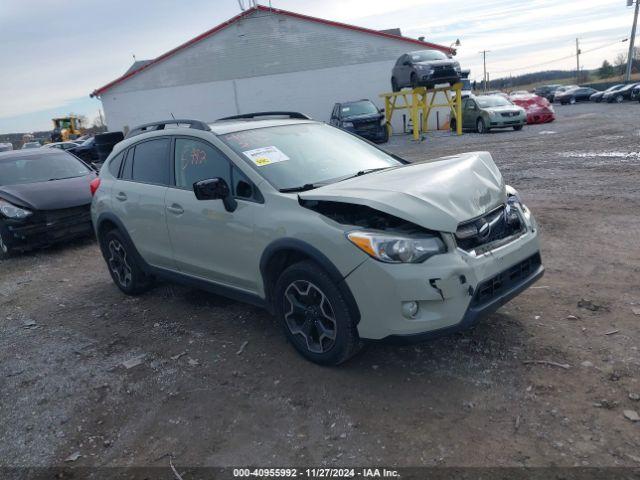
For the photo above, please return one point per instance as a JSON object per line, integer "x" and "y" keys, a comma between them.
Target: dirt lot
{"x": 465, "y": 400}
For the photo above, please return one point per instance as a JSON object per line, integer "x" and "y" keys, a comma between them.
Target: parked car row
{"x": 570, "y": 94}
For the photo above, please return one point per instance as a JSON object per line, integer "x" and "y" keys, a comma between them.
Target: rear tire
{"x": 481, "y": 127}
{"x": 315, "y": 316}
{"x": 122, "y": 264}
{"x": 453, "y": 124}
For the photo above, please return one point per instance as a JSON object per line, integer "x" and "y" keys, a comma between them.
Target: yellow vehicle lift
{"x": 417, "y": 100}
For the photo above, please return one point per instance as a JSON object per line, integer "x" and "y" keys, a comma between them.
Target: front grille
{"x": 366, "y": 126}
{"x": 509, "y": 114}
{"x": 504, "y": 281}
{"x": 480, "y": 234}
{"x": 443, "y": 71}
{"x": 73, "y": 215}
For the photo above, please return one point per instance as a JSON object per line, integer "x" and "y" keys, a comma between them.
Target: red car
{"x": 538, "y": 109}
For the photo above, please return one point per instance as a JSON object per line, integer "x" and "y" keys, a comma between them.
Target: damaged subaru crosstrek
{"x": 341, "y": 241}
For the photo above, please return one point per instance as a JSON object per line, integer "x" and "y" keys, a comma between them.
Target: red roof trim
{"x": 263, "y": 8}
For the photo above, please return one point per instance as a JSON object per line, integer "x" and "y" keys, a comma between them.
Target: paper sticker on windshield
{"x": 266, "y": 156}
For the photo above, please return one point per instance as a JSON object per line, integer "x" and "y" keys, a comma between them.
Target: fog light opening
{"x": 410, "y": 309}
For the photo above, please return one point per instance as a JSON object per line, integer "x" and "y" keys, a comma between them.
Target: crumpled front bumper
{"x": 453, "y": 290}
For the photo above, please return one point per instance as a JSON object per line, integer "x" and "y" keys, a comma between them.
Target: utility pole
{"x": 484, "y": 63}
{"x": 627, "y": 76}
{"x": 577, "y": 61}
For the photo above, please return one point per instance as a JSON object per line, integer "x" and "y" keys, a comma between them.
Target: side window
{"x": 471, "y": 105}
{"x": 151, "y": 162}
{"x": 196, "y": 160}
{"x": 115, "y": 163}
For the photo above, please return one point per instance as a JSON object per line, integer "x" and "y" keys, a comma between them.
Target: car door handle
{"x": 121, "y": 196}
{"x": 176, "y": 209}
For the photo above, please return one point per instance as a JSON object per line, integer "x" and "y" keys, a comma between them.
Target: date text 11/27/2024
{"x": 316, "y": 472}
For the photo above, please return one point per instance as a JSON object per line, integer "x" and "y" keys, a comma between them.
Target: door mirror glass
{"x": 215, "y": 189}
{"x": 211, "y": 189}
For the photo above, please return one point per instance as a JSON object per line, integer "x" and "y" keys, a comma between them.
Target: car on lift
{"x": 483, "y": 113}
{"x": 579, "y": 94}
{"x": 597, "y": 97}
{"x": 424, "y": 68}
{"x": 361, "y": 117}
{"x": 44, "y": 199}
{"x": 621, "y": 94}
{"x": 340, "y": 240}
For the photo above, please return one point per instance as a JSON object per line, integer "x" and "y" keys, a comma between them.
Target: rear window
{"x": 151, "y": 162}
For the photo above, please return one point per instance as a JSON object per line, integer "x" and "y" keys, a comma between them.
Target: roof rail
{"x": 248, "y": 116}
{"x": 153, "y": 126}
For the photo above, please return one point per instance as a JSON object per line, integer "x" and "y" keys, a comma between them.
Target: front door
{"x": 208, "y": 241}
{"x": 469, "y": 113}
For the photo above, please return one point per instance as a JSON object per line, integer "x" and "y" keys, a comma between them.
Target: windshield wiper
{"x": 61, "y": 178}
{"x": 302, "y": 188}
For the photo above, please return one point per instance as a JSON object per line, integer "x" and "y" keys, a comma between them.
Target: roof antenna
{"x": 172, "y": 116}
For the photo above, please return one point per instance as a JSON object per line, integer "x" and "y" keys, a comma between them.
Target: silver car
{"x": 340, "y": 240}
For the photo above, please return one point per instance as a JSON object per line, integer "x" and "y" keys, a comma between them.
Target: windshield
{"x": 493, "y": 101}
{"x": 358, "y": 108}
{"x": 615, "y": 87}
{"x": 427, "y": 56}
{"x": 291, "y": 156}
{"x": 39, "y": 168}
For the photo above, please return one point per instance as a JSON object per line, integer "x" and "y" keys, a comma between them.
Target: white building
{"x": 263, "y": 59}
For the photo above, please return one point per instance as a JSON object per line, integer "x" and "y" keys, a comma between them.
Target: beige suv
{"x": 340, "y": 240}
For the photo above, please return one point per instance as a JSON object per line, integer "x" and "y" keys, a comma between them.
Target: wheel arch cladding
{"x": 282, "y": 253}
{"x": 107, "y": 222}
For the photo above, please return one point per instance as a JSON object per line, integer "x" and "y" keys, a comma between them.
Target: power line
{"x": 582, "y": 52}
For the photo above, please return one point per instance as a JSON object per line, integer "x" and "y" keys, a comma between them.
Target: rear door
{"x": 208, "y": 241}
{"x": 138, "y": 200}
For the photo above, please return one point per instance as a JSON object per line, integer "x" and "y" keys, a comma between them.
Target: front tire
{"x": 517, "y": 128}
{"x": 123, "y": 266}
{"x": 315, "y": 316}
{"x": 481, "y": 126}
{"x": 414, "y": 81}
{"x": 572, "y": 100}
{"x": 619, "y": 99}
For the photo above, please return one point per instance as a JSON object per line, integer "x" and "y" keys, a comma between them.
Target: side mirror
{"x": 382, "y": 110}
{"x": 215, "y": 189}
{"x": 406, "y": 63}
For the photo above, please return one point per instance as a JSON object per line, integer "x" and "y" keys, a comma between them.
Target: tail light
{"x": 94, "y": 185}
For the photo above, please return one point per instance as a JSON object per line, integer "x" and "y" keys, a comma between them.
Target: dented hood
{"x": 437, "y": 194}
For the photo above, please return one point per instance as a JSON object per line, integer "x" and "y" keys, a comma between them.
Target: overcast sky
{"x": 55, "y": 52}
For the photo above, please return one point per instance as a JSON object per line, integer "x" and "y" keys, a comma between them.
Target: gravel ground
{"x": 465, "y": 400}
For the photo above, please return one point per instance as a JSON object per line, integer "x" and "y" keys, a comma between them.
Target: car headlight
{"x": 392, "y": 248}
{"x": 11, "y": 211}
{"x": 347, "y": 124}
{"x": 512, "y": 195}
